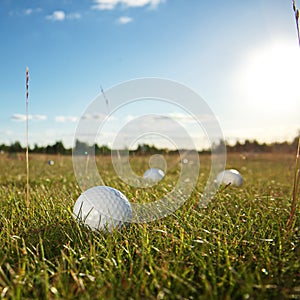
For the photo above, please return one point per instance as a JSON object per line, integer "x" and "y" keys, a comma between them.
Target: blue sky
{"x": 242, "y": 57}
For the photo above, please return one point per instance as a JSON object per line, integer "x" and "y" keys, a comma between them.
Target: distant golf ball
{"x": 50, "y": 162}
{"x": 154, "y": 175}
{"x": 103, "y": 208}
{"x": 232, "y": 177}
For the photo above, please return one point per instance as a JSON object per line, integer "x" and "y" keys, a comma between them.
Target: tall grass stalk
{"x": 27, "y": 156}
{"x": 297, "y": 164}
{"x": 296, "y": 10}
{"x": 295, "y": 187}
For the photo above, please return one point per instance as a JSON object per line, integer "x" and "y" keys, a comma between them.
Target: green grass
{"x": 237, "y": 248}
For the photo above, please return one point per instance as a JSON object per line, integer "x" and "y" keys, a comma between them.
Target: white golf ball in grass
{"x": 103, "y": 208}
{"x": 50, "y": 162}
{"x": 154, "y": 175}
{"x": 232, "y": 177}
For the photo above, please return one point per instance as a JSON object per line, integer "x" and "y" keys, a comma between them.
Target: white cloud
{"x": 105, "y": 4}
{"x": 28, "y": 11}
{"x": 39, "y": 117}
{"x": 125, "y": 20}
{"x": 60, "y": 15}
{"x": 95, "y": 117}
{"x": 22, "y": 117}
{"x": 73, "y": 16}
{"x": 98, "y": 117}
{"x": 187, "y": 118}
{"x": 178, "y": 117}
{"x": 6, "y": 132}
{"x": 111, "y": 4}
{"x": 57, "y": 15}
{"x": 87, "y": 117}
{"x": 129, "y": 118}
{"x": 62, "y": 119}
{"x": 19, "y": 117}
{"x": 25, "y": 12}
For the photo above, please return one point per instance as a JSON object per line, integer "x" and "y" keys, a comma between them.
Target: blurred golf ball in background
{"x": 154, "y": 175}
{"x": 50, "y": 162}
{"x": 232, "y": 177}
{"x": 102, "y": 208}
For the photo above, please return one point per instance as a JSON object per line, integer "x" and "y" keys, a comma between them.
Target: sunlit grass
{"x": 237, "y": 248}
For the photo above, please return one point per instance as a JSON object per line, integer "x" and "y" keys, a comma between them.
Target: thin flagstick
{"x": 27, "y": 158}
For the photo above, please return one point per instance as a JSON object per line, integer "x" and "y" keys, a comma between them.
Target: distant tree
{"x": 16, "y": 147}
{"x": 149, "y": 149}
{"x": 295, "y": 141}
{"x": 59, "y": 148}
{"x": 37, "y": 149}
{"x": 81, "y": 148}
{"x": 238, "y": 147}
{"x": 104, "y": 150}
{"x": 4, "y": 148}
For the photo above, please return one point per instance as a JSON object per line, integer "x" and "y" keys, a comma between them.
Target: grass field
{"x": 236, "y": 248}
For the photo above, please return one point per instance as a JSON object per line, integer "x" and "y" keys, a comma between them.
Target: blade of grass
{"x": 295, "y": 188}
{"x": 27, "y": 157}
{"x": 297, "y": 167}
{"x": 296, "y": 10}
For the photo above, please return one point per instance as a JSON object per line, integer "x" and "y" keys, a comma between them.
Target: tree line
{"x": 83, "y": 148}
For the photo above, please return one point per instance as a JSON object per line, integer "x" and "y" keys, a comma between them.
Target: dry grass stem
{"x": 27, "y": 156}
{"x": 296, "y": 10}
{"x": 295, "y": 187}
{"x": 297, "y": 164}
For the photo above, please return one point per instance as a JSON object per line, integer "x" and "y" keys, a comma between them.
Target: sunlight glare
{"x": 271, "y": 77}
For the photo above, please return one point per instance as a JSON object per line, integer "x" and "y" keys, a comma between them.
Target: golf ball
{"x": 50, "y": 162}
{"x": 102, "y": 208}
{"x": 232, "y": 177}
{"x": 154, "y": 175}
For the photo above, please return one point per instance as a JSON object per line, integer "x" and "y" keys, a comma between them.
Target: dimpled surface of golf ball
{"x": 103, "y": 208}
{"x": 232, "y": 177}
{"x": 154, "y": 175}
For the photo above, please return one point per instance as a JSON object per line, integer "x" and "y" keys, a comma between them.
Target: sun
{"x": 270, "y": 77}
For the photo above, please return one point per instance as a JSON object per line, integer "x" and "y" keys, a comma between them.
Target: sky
{"x": 241, "y": 57}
